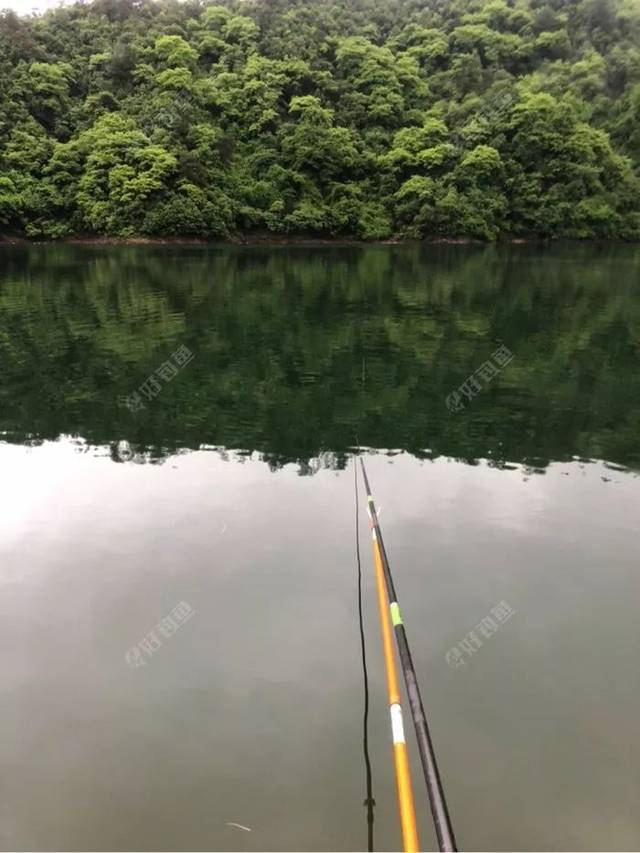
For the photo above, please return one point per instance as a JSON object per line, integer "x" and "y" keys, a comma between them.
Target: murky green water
{"x": 179, "y": 638}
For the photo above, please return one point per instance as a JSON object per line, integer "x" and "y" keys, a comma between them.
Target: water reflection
{"x": 296, "y": 350}
{"x": 252, "y": 712}
{"x": 251, "y": 715}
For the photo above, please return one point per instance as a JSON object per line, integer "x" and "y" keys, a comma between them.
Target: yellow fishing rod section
{"x": 404, "y": 785}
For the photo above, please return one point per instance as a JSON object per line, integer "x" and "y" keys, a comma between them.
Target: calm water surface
{"x": 132, "y": 482}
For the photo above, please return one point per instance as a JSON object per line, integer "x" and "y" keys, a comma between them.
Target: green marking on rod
{"x": 396, "y": 618}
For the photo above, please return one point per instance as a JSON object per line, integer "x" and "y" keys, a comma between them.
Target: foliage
{"x": 402, "y": 118}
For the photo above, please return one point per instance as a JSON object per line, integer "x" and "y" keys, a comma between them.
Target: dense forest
{"x": 370, "y": 119}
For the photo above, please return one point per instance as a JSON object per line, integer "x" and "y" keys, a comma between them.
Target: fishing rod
{"x": 400, "y": 756}
{"x": 388, "y": 603}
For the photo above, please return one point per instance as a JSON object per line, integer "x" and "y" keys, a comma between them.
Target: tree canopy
{"x": 370, "y": 119}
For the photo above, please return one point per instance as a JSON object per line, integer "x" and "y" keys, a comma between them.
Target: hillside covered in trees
{"x": 362, "y": 118}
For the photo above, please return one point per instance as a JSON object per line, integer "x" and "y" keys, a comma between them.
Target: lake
{"x": 180, "y": 649}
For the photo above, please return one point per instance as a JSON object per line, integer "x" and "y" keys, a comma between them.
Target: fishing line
{"x": 369, "y": 801}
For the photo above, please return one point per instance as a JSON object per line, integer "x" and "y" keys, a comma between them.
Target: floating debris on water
{"x": 239, "y": 826}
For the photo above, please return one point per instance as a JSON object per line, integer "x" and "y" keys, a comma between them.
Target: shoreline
{"x": 262, "y": 239}
{"x": 247, "y": 239}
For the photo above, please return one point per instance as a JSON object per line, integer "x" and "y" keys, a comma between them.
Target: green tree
{"x": 367, "y": 119}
